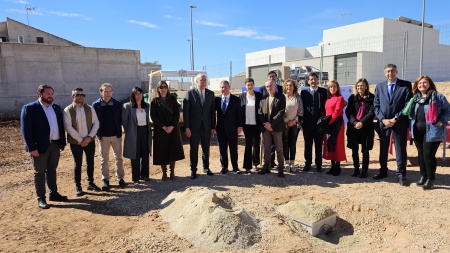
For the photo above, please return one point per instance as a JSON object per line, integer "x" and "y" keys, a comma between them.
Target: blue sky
{"x": 224, "y": 31}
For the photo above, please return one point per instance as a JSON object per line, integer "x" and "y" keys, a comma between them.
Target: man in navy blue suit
{"x": 229, "y": 125}
{"x": 391, "y": 97}
{"x": 42, "y": 128}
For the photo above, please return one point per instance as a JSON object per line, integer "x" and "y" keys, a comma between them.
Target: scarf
{"x": 430, "y": 99}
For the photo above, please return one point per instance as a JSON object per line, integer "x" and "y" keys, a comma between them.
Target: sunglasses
{"x": 163, "y": 87}
{"x": 80, "y": 95}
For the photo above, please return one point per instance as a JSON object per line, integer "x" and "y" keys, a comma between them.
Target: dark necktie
{"x": 224, "y": 104}
{"x": 316, "y": 104}
{"x": 390, "y": 87}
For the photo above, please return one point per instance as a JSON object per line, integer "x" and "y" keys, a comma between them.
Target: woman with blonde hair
{"x": 334, "y": 145}
{"x": 165, "y": 114}
{"x": 360, "y": 127}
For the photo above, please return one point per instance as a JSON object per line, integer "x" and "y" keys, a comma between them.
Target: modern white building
{"x": 359, "y": 50}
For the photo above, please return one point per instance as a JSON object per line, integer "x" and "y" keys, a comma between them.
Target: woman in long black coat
{"x": 360, "y": 127}
{"x": 165, "y": 114}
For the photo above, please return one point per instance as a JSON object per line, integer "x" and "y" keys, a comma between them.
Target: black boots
{"x": 422, "y": 180}
{"x": 355, "y": 173}
{"x": 428, "y": 184}
{"x": 164, "y": 171}
{"x": 335, "y": 168}
{"x": 172, "y": 170}
{"x": 363, "y": 173}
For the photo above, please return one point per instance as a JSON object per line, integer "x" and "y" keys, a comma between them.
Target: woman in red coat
{"x": 334, "y": 146}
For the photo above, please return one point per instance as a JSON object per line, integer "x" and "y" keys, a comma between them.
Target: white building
{"x": 362, "y": 50}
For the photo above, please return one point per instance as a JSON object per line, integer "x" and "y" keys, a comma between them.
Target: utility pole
{"x": 29, "y": 9}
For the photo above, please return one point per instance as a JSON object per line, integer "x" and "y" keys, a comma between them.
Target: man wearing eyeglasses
{"x": 199, "y": 121}
{"x": 81, "y": 124}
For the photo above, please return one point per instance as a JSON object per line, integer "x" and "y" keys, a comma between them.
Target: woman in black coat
{"x": 165, "y": 114}
{"x": 360, "y": 127}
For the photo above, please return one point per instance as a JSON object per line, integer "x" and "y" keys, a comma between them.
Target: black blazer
{"x": 308, "y": 106}
{"x": 263, "y": 89}
{"x": 195, "y": 115}
{"x": 229, "y": 121}
{"x": 36, "y": 129}
{"x": 366, "y": 133}
{"x": 388, "y": 109}
{"x": 276, "y": 118}
{"x": 243, "y": 98}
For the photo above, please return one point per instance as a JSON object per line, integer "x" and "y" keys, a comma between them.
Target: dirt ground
{"x": 373, "y": 216}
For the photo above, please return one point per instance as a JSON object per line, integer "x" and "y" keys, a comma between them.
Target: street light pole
{"x": 190, "y": 53}
{"x": 321, "y": 61}
{"x": 421, "y": 39}
{"x": 192, "y": 39}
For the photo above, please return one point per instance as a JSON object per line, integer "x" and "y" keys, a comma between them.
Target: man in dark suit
{"x": 199, "y": 121}
{"x": 271, "y": 114}
{"x": 391, "y": 97}
{"x": 229, "y": 125}
{"x": 313, "y": 99}
{"x": 250, "y": 100}
{"x": 42, "y": 128}
{"x": 272, "y": 75}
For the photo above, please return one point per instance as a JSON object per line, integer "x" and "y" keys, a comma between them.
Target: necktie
{"x": 201, "y": 97}
{"x": 224, "y": 104}
{"x": 390, "y": 86}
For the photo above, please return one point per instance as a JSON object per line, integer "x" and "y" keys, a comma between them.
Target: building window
{"x": 39, "y": 39}
{"x": 20, "y": 39}
{"x": 2, "y": 39}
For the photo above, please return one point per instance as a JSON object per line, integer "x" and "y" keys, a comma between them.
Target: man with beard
{"x": 43, "y": 132}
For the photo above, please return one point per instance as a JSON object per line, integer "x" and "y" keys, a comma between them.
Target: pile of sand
{"x": 306, "y": 210}
{"x": 210, "y": 219}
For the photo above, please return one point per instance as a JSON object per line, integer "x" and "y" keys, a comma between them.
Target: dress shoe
{"x": 273, "y": 165}
{"x": 237, "y": 171}
{"x": 248, "y": 172}
{"x": 57, "y": 197}
{"x": 105, "y": 186}
{"x": 136, "y": 182}
{"x": 422, "y": 180}
{"x": 307, "y": 168}
{"x": 78, "y": 191}
{"x": 265, "y": 170}
{"x": 280, "y": 172}
{"x": 193, "y": 175}
{"x": 209, "y": 173}
{"x": 224, "y": 171}
{"x": 403, "y": 181}
{"x": 355, "y": 172}
{"x": 428, "y": 184}
{"x": 146, "y": 179}
{"x": 337, "y": 171}
{"x": 43, "y": 204}
{"x": 319, "y": 169}
{"x": 363, "y": 174}
{"x": 93, "y": 187}
{"x": 380, "y": 176}
{"x": 122, "y": 183}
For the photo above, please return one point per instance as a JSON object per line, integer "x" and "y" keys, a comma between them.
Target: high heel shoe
{"x": 422, "y": 180}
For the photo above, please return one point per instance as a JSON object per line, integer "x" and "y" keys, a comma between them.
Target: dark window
{"x": 2, "y": 39}
{"x": 40, "y": 39}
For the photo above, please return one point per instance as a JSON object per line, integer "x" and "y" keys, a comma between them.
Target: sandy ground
{"x": 373, "y": 216}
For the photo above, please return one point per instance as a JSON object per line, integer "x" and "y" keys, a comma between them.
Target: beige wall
{"x": 23, "y": 67}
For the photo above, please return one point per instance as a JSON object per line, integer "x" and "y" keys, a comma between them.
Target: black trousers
{"x": 427, "y": 154}
{"x": 140, "y": 166}
{"x": 311, "y": 135}
{"x": 228, "y": 140}
{"x": 290, "y": 136}
{"x": 45, "y": 168}
{"x": 400, "y": 139}
{"x": 77, "y": 153}
{"x": 203, "y": 138}
{"x": 252, "y": 146}
{"x": 365, "y": 157}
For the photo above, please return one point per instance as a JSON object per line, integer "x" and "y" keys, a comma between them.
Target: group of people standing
{"x": 277, "y": 113}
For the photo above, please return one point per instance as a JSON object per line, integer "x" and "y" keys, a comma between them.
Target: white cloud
{"x": 65, "y": 14}
{"x": 143, "y": 23}
{"x": 250, "y": 33}
{"x": 25, "y": 12}
{"x": 208, "y": 23}
{"x": 171, "y": 17}
{"x": 18, "y": 1}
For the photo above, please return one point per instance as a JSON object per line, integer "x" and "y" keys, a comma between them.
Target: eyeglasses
{"x": 163, "y": 87}
{"x": 80, "y": 95}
